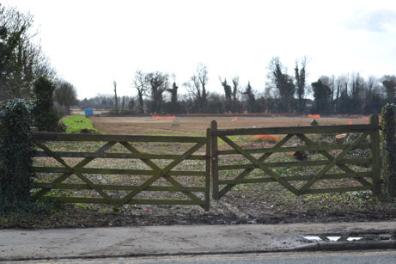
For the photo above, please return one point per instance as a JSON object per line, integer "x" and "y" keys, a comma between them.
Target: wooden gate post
{"x": 207, "y": 169}
{"x": 375, "y": 149}
{"x": 214, "y": 160}
{"x": 389, "y": 146}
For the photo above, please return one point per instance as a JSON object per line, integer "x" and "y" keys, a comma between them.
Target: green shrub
{"x": 77, "y": 124}
{"x": 45, "y": 117}
{"x": 15, "y": 155}
{"x": 389, "y": 130}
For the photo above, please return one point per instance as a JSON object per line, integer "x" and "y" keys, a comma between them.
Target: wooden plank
{"x": 298, "y": 129}
{"x": 303, "y": 163}
{"x": 114, "y": 171}
{"x": 70, "y": 154}
{"x": 336, "y": 190}
{"x": 119, "y": 202}
{"x": 49, "y": 136}
{"x": 112, "y": 187}
{"x": 334, "y": 176}
{"x": 376, "y": 153}
{"x": 316, "y": 147}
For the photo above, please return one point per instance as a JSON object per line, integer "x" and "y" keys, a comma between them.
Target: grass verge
{"x": 78, "y": 124}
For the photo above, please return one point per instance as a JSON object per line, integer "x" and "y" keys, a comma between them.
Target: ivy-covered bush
{"x": 45, "y": 117}
{"x": 15, "y": 154}
{"x": 389, "y": 130}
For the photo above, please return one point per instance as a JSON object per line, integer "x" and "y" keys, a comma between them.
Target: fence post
{"x": 375, "y": 150}
{"x": 389, "y": 146}
{"x": 214, "y": 160}
{"x": 208, "y": 171}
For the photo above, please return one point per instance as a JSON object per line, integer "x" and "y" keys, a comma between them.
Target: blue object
{"x": 88, "y": 111}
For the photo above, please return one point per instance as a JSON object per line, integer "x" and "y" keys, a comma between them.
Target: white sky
{"x": 92, "y": 43}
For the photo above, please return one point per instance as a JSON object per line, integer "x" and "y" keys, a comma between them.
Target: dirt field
{"x": 198, "y": 125}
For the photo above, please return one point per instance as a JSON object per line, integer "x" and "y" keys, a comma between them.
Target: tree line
{"x": 24, "y": 67}
{"x": 158, "y": 92}
{"x": 25, "y": 72}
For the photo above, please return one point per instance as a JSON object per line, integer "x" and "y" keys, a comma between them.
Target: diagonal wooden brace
{"x": 72, "y": 170}
{"x": 261, "y": 166}
{"x": 162, "y": 173}
{"x": 246, "y": 172}
{"x": 330, "y": 157}
{"x": 322, "y": 172}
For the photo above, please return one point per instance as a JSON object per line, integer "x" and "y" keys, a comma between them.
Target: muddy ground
{"x": 235, "y": 208}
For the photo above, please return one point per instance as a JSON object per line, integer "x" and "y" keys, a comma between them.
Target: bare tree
{"x": 197, "y": 87}
{"x": 235, "y": 89}
{"x": 373, "y": 99}
{"x": 141, "y": 86}
{"x": 322, "y": 96}
{"x": 236, "y": 107}
{"x": 251, "y": 99}
{"x": 174, "y": 95}
{"x": 389, "y": 82}
{"x": 357, "y": 93}
{"x": 341, "y": 93}
{"x": 158, "y": 83}
{"x": 284, "y": 84}
{"x": 227, "y": 94}
{"x": 65, "y": 94}
{"x": 115, "y": 97}
{"x": 299, "y": 75}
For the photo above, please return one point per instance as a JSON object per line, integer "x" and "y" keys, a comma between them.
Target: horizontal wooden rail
{"x": 298, "y": 178}
{"x": 115, "y": 171}
{"x": 317, "y": 147}
{"x": 42, "y": 136}
{"x": 111, "y": 187}
{"x": 297, "y": 130}
{"x": 359, "y": 162}
{"x": 118, "y": 155}
{"x": 117, "y": 201}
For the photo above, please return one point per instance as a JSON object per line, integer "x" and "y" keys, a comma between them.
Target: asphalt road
{"x": 369, "y": 257}
{"x": 112, "y": 242}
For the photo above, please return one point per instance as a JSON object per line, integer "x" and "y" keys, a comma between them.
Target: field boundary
{"x": 367, "y": 138}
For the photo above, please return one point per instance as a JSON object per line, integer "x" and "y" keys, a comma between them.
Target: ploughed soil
{"x": 197, "y": 125}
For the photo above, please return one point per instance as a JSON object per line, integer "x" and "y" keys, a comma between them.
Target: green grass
{"x": 78, "y": 124}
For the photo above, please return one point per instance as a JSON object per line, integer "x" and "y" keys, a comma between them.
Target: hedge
{"x": 15, "y": 154}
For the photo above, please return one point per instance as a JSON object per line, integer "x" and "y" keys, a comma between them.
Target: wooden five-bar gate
{"x": 207, "y": 165}
{"x": 353, "y": 173}
{"x": 56, "y": 164}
